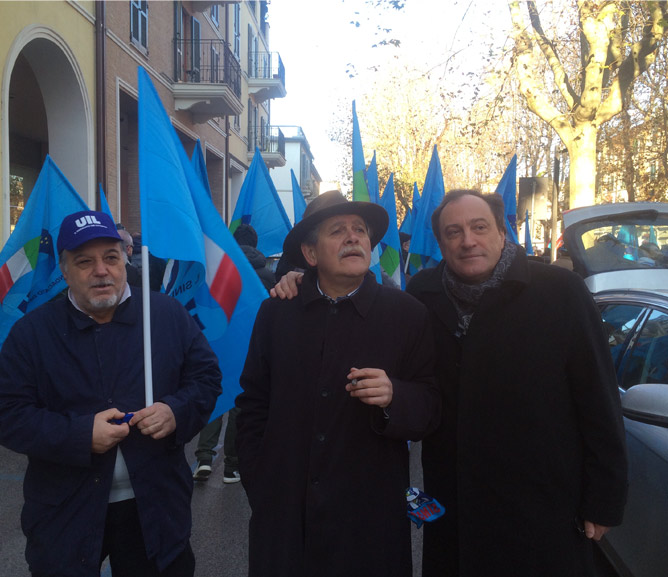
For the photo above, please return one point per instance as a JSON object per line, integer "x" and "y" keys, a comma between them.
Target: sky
{"x": 317, "y": 43}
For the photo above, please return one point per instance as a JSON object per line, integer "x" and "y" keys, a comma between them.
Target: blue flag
{"x": 527, "y": 235}
{"x": 360, "y": 188}
{"x": 372, "y": 180}
{"x": 206, "y": 271}
{"x": 29, "y": 271}
{"x": 423, "y": 241}
{"x": 104, "y": 205}
{"x": 260, "y": 206}
{"x": 390, "y": 246}
{"x": 407, "y": 224}
{"x": 298, "y": 201}
{"x": 507, "y": 188}
{"x": 199, "y": 165}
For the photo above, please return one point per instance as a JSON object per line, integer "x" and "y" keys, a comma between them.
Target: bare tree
{"x": 616, "y": 42}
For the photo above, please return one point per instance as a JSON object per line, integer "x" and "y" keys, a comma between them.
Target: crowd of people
{"x": 496, "y": 362}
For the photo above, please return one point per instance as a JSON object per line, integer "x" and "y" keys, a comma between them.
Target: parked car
{"x": 619, "y": 250}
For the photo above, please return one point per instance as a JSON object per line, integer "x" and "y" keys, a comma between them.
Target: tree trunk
{"x": 582, "y": 179}
{"x": 629, "y": 171}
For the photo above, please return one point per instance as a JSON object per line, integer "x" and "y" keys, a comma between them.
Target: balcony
{"x": 266, "y": 76}
{"x": 208, "y": 79}
{"x": 270, "y": 141}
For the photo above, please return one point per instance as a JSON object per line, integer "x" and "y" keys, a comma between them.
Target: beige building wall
{"x": 61, "y": 36}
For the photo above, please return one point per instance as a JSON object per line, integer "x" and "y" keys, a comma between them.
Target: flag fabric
{"x": 372, "y": 181}
{"x": 207, "y": 270}
{"x": 104, "y": 205}
{"x": 390, "y": 245}
{"x": 423, "y": 241}
{"x": 407, "y": 224}
{"x": 363, "y": 182}
{"x": 29, "y": 272}
{"x": 507, "y": 188}
{"x": 298, "y": 201}
{"x": 415, "y": 262}
{"x": 360, "y": 189}
{"x": 527, "y": 235}
{"x": 199, "y": 164}
{"x": 260, "y": 206}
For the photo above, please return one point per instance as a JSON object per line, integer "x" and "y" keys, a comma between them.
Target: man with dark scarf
{"x": 529, "y": 459}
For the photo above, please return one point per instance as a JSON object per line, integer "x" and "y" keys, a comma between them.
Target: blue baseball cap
{"x": 83, "y": 226}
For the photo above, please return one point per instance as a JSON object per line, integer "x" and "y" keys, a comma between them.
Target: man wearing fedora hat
{"x": 106, "y": 476}
{"x": 335, "y": 382}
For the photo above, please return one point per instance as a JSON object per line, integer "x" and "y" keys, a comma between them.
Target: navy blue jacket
{"x": 58, "y": 368}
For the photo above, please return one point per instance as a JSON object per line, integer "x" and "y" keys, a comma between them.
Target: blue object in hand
{"x": 122, "y": 420}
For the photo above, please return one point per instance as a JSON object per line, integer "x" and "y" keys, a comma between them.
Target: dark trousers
{"x": 208, "y": 439}
{"x": 124, "y": 544}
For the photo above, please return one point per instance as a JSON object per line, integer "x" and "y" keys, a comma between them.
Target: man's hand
{"x": 594, "y": 531}
{"x": 157, "y": 420}
{"x": 371, "y": 386}
{"x": 106, "y": 435}
{"x": 287, "y": 287}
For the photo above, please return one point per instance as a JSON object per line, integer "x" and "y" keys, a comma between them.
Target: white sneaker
{"x": 231, "y": 477}
{"x": 202, "y": 471}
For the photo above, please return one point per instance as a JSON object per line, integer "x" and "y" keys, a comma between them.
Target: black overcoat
{"x": 531, "y": 437}
{"x": 325, "y": 473}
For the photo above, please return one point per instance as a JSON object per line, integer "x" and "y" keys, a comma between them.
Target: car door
{"x": 638, "y": 337}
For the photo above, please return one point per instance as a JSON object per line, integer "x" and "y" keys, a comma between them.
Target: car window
{"x": 647, "y": 360}
{"x": 619, "y": 321}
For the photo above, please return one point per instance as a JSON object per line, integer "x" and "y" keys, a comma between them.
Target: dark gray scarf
{"x": 466, "y": 297}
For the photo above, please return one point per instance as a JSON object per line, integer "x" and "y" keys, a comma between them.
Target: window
{"x": 237, "y": 31}
{"x": 215, "y": 64}
{"x": 139, "y": 23}
{"x": 647, "y": 361}
{"x": 619, "y": 321}
{"x": 214, "y": 14}
{"x": 195, "y": 54}
{"x": 251, "y": 54}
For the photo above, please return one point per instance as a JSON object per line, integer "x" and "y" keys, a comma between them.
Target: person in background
{"x": 133, "y": 274}
{"x": 107, "y": 475}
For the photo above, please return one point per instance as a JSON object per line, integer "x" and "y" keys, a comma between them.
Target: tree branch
{"x": 548, "y": 49}
{"x": 639, "y": 59}
{"x": 537, "y": 101}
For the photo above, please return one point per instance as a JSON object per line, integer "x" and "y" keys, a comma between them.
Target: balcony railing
{"x": 268, "y": 139}
{"x": 266, "y": 65}
{"x": 207, "y": 61}
{"x": 266, "y": 76}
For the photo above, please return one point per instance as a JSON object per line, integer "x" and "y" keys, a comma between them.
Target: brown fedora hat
{"x": 332, "y": 203}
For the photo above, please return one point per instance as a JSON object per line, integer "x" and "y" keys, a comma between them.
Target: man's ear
{"x": 309, "y": 254}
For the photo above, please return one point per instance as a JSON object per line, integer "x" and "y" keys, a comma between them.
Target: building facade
{"x": 69, "y": 89}
{"x": 298, "y": 160}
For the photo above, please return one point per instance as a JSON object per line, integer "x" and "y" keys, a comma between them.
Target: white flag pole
{"x": 146, "y": 300}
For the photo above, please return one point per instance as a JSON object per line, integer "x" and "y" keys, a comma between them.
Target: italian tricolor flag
{"x": 222, "y": 277}
{"x": 20, "y": 263}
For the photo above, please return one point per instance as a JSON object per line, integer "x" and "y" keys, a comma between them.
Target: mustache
{"x": 356, "y": 249}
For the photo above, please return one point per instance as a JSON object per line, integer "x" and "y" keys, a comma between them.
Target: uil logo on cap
{"x": 88, "y": 219}
{"x": 83, "y": 226}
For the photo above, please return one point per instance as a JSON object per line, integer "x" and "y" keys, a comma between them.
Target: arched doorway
{"x": 48, "y": 111}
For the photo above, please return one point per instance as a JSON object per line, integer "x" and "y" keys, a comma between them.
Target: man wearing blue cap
{"x": 106, "y": 475}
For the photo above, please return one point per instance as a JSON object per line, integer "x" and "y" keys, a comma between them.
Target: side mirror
{"x": 647, "y": 404}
